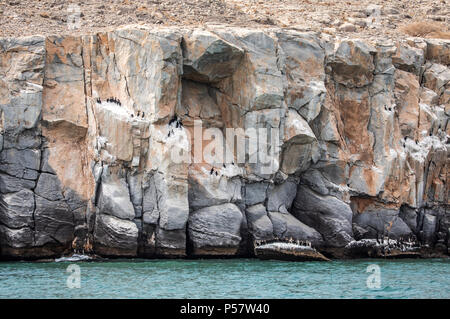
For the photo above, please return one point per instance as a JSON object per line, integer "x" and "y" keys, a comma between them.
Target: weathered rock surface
{"x": 215, "y": 230}
{"x": 355, "y": 145}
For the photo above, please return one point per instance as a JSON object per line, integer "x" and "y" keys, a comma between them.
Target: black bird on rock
{"x": 174, "y": 119}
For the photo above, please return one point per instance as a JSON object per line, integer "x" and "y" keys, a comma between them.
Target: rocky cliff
{"x": 360, "y": 151}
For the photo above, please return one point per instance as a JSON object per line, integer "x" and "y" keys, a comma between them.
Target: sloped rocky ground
{"x": 362, "y": 18}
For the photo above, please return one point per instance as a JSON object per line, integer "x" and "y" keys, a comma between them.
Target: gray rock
{"x": 16, "y": 209}
{"x": 49, "y": 187}
{"x": 54, "y": 222}
{"x": 10, "y": 184}
{"x": 259, "y": 224}
{"x": 287, "y": 226}
{"x": 208, "y": 58}
{"x": 15, "y": 238}
{"x": 281, "y": 195}
{"x": 255, "y": 193}
{"x": 408, "y": 59}
{"x": 382, "y": 221}
{"x": 173, "y": 203}
{"x": 436, "y": 77}
{"x": 114, "y": 199}
{"x": 149, "y": 200}
{"x": 409, "y": 216}
{"x": 331, "y": 217}
{"x": 438, "y": 51}
{"x": 151, "y": 217}
{"x": 428, "y": 232}
{"x": 303, "y": 57}
{"x": 314, "y": 180}
{"x": 171, "y": 242}
{"x": 359, "y": 232}
{"x": 20, "y": 163}
{"x": 29, "y": 139}
{"x": 115, "y": 237}
{"x": 45, "y": 166}
{"x": 136, "y": 193}
{"x": 215, "y": 230}
{"x": 203, "y": 193}
{"x": 353, "y": 63}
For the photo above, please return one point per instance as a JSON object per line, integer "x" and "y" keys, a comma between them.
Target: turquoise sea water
{"x": 230, "y": 278}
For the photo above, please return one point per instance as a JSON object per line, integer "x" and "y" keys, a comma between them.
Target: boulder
{"x": 281, "y": 195}
{"x": 10, "y": 184}
{"x": 353, "y": 64}
{"x": 408, "y": 58}
{"x": 436, "y": 77}
{"x": 255, "y": 193}
{"x": 20, "y": 163}
{"x": 259, "y": 224}
{"x": 49, "y": 187}
{"x": 208, "y": 58}
{"x": 286, "y": 226}
{"x": 381, "y": 221}
{"x": 331, "y": 217}
{"x": 171, "y": 243}
{"x": 215, "y": 230}
{"x": 115, "y": 237}
{"x": 298, "y": 144}
{"x": 438, "y": 51}
{"x": 54, "y": 222}
{"x": 114, "y": 199}
{"x": 16, "y": 209}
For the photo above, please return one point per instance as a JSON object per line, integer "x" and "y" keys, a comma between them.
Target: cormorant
{"x": 142, "y": 114}
{"x": 212, "y": 171}
{"x": 174, "y": 119}
{"x": 216, "y": 173}
{"x": 138, "y": 113}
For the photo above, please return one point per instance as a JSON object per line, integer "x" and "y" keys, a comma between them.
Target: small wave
{"x": 74, "y": 257}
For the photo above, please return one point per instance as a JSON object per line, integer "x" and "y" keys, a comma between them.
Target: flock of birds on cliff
{"x": 402, "y": 244}
{"x": 117, "y": 102}
{"x": 178, "y": 124}
{"x": 282, "y": 240}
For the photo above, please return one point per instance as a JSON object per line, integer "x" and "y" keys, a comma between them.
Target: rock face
{"x": 112, "y": 143}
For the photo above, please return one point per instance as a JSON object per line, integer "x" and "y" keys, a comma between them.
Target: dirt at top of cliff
{"x": 360, "y": 18}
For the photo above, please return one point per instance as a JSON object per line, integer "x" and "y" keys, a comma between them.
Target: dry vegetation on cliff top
{"x": 427, "y": 18}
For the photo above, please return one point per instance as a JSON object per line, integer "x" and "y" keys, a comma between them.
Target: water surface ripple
{"x": 229, "y": 278}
